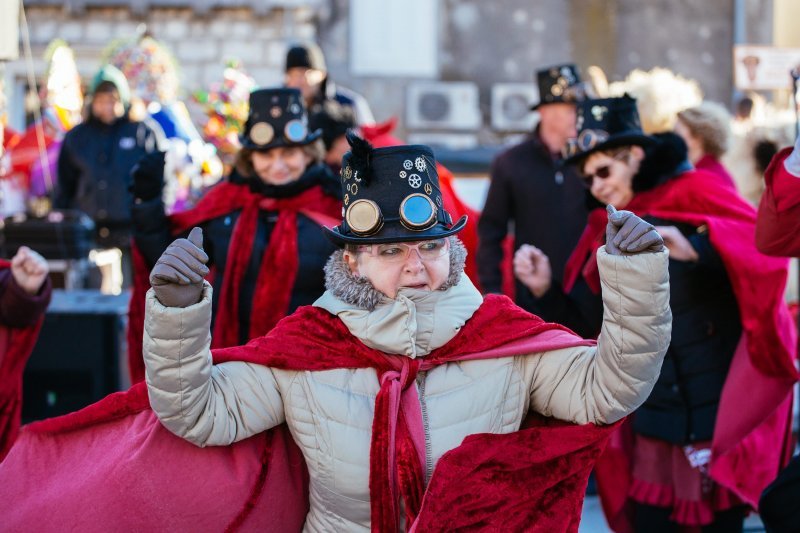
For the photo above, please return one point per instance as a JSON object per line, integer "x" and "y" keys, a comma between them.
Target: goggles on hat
{"x": 417, "y": 213}
{"x": 587, "y": 140}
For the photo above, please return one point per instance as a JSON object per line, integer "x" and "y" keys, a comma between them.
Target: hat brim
{"x": 395, "y": 233}
{"x": 279, "y": 142}
{"x": 615, "y": 141}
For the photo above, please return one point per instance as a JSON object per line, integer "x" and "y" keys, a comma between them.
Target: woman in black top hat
{"x": 691, "y": 452}
{"x": 262, "y": 225}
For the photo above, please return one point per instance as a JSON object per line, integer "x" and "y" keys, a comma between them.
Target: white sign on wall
{"x": 9, "y": 30}
{"x": 764, "y": 67}
{"x": 394, "y": 38}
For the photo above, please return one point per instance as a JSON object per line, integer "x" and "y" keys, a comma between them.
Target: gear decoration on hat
{"x": 407, "y": 164}
{"x": 420, "y": 164}
{"x": 295, "y": 108}
{"x": 347, "y": 172}
{"x": 354, "y": 189}
{"x": 275, "y": 111}
{"x": 598, "y": 112}
{"x": 346, "y": 201}
{"x": 403, "y": 174}
{"x": 262, "y": 133}
{"x": 428, "y": 189}
{"x": 417, "y": 212}
{"x": 355, "y": 176}
{"x": 438, "y": 200}
{"x": 415, "y": 181}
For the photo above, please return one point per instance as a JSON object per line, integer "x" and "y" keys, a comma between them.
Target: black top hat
{"x": 306, "y": 55}
{"x": 391, "y": 195}
{"x": 603, "y": 124}
{"x": 277, "y": 117}
{"x": 559, "y": 84}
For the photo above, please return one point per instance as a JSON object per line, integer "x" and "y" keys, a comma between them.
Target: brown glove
{"x": 177, "y": 278}
{"x": 628, "y": 234}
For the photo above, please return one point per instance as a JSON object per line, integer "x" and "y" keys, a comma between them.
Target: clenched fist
{"x": 177, "y": 278}
{"x": 628, "y": 234}
{"x": 29, "y": 270}
{"x": 532, "y": 269}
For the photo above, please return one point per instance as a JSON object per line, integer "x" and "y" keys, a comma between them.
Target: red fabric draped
{"x": 16, "y": 345}
{"x": 778, "y": 227}
{"x": 750, "y": 427}
{"x": 490, "y": 466}
{"x": 277, "y": 271}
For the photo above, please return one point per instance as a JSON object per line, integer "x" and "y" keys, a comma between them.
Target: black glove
{"x": 148, "y": 176}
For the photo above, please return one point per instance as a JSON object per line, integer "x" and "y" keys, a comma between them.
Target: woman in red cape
{"x": 24, "y": 295}
{"x": 713, "y": 432}
{"x": 263, "y": 225}
{"x": 401, "y": 389}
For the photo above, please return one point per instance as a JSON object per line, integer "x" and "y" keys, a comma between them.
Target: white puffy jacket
{"x": 329, "y": 413}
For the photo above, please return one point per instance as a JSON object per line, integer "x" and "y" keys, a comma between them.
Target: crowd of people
{"x": 311, "y": 336}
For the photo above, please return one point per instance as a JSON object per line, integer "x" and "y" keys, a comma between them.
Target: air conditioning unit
{"x": 443, "y": 106}
{"x": 511, "y": 104}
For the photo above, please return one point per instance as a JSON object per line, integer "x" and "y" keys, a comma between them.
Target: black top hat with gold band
{"x": 559, "y": 84}
{"x": 604, "y": 124}
{"x": 277, "y": 117}
{"x": 391, "y": 195}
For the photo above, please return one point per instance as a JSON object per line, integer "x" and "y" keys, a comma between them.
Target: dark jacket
{"x": 542, "y": 203}
{"x": 94, "y": 173}
{"x": 152, "y": 236}
{"x": 706, "y": 326}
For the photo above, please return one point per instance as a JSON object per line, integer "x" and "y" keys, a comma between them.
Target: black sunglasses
{"x": 602, "y": 172}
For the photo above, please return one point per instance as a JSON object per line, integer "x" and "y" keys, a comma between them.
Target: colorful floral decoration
{"x": 225, "y": 104}
{"x": 148, "y": 65}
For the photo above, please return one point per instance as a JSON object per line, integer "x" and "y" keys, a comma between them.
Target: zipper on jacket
{"x": 424, "y": 408}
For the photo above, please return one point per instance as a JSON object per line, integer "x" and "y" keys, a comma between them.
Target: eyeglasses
{"x": 399, "y": 252}
{"x": 604, "y": 171}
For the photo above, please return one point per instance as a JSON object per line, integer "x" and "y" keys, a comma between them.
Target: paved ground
{"x": 593, "y": 521}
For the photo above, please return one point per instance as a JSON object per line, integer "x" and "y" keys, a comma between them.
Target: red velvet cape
{"x": 278, "y": 265}
{"x": 16, "y": 345}
{"x": 755, "y": 406}
{"x": 778, "y": 225}
{"x": 113, "y": 463}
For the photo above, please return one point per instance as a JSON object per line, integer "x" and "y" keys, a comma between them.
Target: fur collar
{"x": 667, "y": 158}
{"x": 359, "y": 292}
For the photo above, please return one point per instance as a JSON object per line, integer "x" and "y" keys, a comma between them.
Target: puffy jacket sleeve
{"x": 204, "y": 403}
{"x": 605, "y": 383}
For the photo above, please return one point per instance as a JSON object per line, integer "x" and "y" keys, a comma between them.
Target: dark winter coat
{"x": 152, "y": 236}
{"x": 706, "y": 326}
{"x": 94, "y": 174}
{"x": 541, "y": 202}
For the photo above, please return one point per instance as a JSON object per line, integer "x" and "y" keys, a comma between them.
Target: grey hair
{"x": 359, "y": 291}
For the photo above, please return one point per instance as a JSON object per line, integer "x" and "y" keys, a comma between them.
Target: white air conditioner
{"x": 511, "y": 103}
{"x": 443, "y": 106}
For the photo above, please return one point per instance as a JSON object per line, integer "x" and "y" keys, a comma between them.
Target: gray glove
{"x": 628, "y": 234}
{"x": 177, "y": 278}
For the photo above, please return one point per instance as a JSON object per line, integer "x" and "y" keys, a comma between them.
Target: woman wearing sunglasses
{"x": 693, "y": 460}
{"x": 262, "y": 225}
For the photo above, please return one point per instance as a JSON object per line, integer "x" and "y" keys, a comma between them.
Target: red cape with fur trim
{"x": 16, "y": 345}
{"x": 113, "y": 463}
{"x": 755, "y": 407}
{"x": 278, "y": 266}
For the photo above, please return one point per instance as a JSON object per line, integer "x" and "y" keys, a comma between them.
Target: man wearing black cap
{"x": 306, "y": 70}
{"x": 532, "y": 195}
